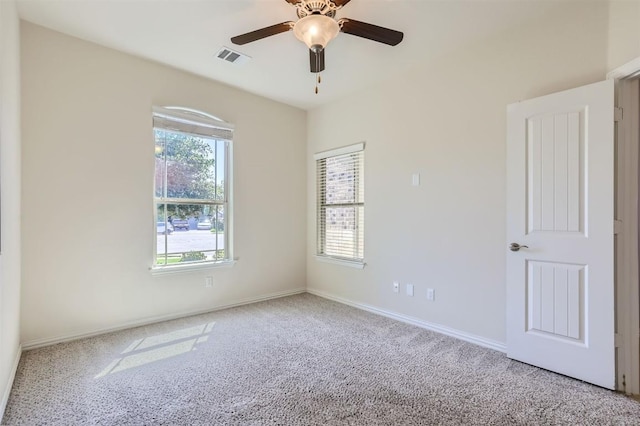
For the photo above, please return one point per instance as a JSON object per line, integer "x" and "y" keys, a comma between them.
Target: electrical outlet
{"x": 396, "y": 287}
{"x": 208, "y": 282}
{"x": 431, "y": 294}
{"x": 409, "y": 289}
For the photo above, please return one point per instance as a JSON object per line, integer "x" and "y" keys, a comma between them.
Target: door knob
{"x": 516, "y": 247}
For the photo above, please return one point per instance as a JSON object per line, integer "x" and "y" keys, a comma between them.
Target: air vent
{"x": 232, "y": 56}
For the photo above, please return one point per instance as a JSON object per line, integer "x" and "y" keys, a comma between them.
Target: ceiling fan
{"x": 317, "y": 26}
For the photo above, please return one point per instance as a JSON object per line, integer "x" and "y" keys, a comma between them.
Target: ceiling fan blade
{"x": 371, "y": 32}
{"x": 262, "y": 33}
{"x": 316, "y": 61}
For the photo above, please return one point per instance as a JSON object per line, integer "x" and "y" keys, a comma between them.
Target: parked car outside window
{"x": 164, "y": 228}
{"x": 204, "y": 224}
{"x": 181, "y": 224}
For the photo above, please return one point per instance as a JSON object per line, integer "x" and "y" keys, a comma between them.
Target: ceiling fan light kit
{"x": 316, "y": 31}
{"x": 317, "y": 26}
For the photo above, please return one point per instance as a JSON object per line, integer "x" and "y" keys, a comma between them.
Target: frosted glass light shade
{"x": 316, "y": 30}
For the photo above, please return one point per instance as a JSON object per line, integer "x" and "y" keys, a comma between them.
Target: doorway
{"x": 627, "y": 227}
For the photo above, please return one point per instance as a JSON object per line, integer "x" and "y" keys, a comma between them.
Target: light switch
{"x": 415, "y": 179}
{"x": 409, "y": 289}
{"x": 431, "y": 294}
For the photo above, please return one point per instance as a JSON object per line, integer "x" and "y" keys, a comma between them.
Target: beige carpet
{"x": 300, "y": 360}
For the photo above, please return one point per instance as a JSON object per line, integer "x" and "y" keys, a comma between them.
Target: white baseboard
{"x": 467, "y": 337}
{"x": 9, "y": 385}
{"x": 38, "y": 343}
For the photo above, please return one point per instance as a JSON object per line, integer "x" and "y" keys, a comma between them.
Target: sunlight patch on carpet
{"x": 156, "y": 348}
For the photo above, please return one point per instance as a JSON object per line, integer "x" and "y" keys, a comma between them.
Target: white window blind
{"x": 340, "y": 203}
{"x": 191, "y": 122}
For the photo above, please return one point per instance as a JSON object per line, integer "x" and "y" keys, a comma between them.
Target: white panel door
{"x": 560, "y": 197}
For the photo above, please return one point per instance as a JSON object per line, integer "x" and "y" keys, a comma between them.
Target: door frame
{"x": 627, "y": 282}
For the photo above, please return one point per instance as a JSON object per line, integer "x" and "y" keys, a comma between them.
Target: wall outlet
{"x": 409, "y": 289}
{"x": 208, "y": 282}
{"x": 431, "y": 294}
{"x": 396, "y": 287}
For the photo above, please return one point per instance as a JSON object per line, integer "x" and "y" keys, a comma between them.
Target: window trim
{"x": 176, "y": 269}
{"x": 339, "y": 151}
{"x": 186, "y": 120}
{"x": 354, "y": 263}
{"x": 357, "y": 264}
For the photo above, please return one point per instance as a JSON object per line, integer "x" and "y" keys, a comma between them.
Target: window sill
{"x": 177, "y": 269}
{"x": 349, "y": 263}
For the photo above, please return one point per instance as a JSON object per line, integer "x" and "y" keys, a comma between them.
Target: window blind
{"x": 340, "y": 205}
{"x": 187, "y": 121}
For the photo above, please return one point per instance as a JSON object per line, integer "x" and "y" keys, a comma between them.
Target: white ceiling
{"x": 186, "y": 34}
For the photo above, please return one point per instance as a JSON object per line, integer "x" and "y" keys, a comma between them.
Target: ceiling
{"x": 187, "y": 34}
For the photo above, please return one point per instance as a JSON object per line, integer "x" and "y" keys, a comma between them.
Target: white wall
{"x": 87, "y": 190}
{"x": 624, "y": 32}
{"x": 447, "y": 121}
{"x": 87, "y": 172}
{"x": 9, "y": 196}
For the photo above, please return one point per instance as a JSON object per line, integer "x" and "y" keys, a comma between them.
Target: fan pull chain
{"x": 319, "y": 79}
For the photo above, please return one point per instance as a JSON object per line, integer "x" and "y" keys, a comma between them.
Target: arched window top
{"x": 192, "y": 121}
{"x": 195, "y": 112}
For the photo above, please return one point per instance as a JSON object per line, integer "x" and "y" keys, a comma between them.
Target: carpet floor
{"x": 299, "y": 360}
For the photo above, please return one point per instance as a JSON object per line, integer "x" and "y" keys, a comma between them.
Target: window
{"x": 192, "y": 188}
{"x": 340, "y": 203}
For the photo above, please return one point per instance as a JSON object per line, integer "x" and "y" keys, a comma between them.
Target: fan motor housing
{"x": 315, "y": 7}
